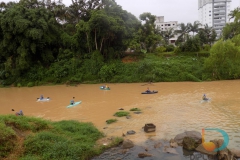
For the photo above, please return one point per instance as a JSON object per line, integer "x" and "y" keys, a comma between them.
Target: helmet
{"x": 204, "y": 94}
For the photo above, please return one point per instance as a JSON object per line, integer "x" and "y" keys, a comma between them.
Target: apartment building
{"x": 164, "y": 26}
{"x": 214, "y": 13}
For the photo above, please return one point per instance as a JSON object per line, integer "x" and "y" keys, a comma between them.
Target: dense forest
{"x": 47, "y": 42}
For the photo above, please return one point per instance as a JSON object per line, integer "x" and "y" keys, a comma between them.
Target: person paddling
{"x": 148, "y": 90}
{"x": 72, "y": 101}
{"x": 204, "y": 97}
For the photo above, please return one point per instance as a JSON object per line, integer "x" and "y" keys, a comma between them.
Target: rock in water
{"x": 127, "y": 144}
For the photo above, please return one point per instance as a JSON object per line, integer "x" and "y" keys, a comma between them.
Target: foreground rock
{"x": 127, "y": 144}
{"x": 235, "y": 152}
{"x": 173, "y": 144}
{"x": 190, "y": 144}
{"x": 131, "y": 132}
{"x": 142, "y": 155}
{"x": 191, "y": 134}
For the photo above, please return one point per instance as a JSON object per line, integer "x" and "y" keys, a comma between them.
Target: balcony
{"x": 219, "y": 12}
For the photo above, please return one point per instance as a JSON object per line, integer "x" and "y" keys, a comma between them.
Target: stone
{"x": 170, "y": 150}
{"x": 138, "y": 112}
{"x": 157, "y": 145}
{"x": 124, "y": 151}
{"x": 192, "y": 134}
{"x": 127, "y": 144}
{"x": 173, "y": 144}
{"x": 131, "y": 132}
{"x": 128, "y": 117}
{"x": 189, "y": 143}
{"x": 201, "y": 149}
{"x": 235, "y": 152}
{"x": 142, "y": 155}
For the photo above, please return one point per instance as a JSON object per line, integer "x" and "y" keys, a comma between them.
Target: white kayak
{"x": 43, "y": 100}
{"x": 75, "y": 104}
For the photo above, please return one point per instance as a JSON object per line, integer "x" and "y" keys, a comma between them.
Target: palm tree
{"x": 235, "y": 14}
{"x": 194, "y": 27}
{"x": 183, "y": 31}
{"x": 169, "y": 33}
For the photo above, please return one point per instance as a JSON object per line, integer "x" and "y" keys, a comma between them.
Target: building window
{"x": 209, "y": 14}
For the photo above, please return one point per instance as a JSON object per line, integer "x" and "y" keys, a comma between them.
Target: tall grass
{"x": 46, "y": 140}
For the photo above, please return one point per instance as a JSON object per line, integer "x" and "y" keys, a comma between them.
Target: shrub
{"x": 121, "y": 114}
{"x": 135, "y": 109}
{"x": 160, "y": 49}
{"x": 30, "y": 84}
{"x": 109, "y": 121}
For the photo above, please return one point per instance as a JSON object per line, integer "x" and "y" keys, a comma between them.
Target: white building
{"x": 214, "y": 13}
{"x": 164, "y": 26}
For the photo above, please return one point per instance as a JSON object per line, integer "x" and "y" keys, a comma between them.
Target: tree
{"x": 183, "y": 31}
{"x": 30, "y": 35}
{"x": 224, "y": 60}
{"x": 194, "y": 27}
{"x": 169, "y": 33}
{"x": 149, "y": 38}
{"x": 207, "y": 35}
{"x": 232, "y": 29}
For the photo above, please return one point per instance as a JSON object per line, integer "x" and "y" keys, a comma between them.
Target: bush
{"x": 121, "y": 114}
{"x": 170, "y": 48}
{"x": 30, "y": 84}
{"x": 109, "y": 121}
{"x": 206, "y": 47}
{"x": 160, "y": 49}
{"x": 135, "y": 109}
{"x": 177, "y": 50}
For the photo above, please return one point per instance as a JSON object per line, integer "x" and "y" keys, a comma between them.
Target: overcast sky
{"x": 173, "y": 10}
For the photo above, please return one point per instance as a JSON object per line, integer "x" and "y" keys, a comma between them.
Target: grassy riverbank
{"x": 132, "y": 68}
{"x": 29, "y": 138}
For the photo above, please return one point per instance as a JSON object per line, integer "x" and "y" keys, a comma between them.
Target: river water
{"x": 177, "y": 107}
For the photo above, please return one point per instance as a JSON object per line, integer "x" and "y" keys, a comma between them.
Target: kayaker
{"x": 41, "y": 97}
{"x": 19, "y": 113}
{"x": 72, "y": 101}
{"x": 148, "y": 90}
{"x": 204, "y": 97}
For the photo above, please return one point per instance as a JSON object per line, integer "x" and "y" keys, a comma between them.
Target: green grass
{"x": 121, "y": 114}
{"x": 109, "y": 121}
{"x": 135, "y": 109}
{"x": 47, "y": 140}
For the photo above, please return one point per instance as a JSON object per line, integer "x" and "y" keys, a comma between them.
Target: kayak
{"x": 75, "y": 104}
{"x": 103, "y": 88}
{"x": 43, "y": 100}
{"x": 206, "y": 100}
{"x": 151, "y": 92}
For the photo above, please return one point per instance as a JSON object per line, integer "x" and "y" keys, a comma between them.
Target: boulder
{"x": 192, "y": 134}
{"x": 189, "y": 143}
{"x": 127, "y": 144}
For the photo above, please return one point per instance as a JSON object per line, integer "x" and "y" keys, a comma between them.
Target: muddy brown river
{"x": 176, "y": 107}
